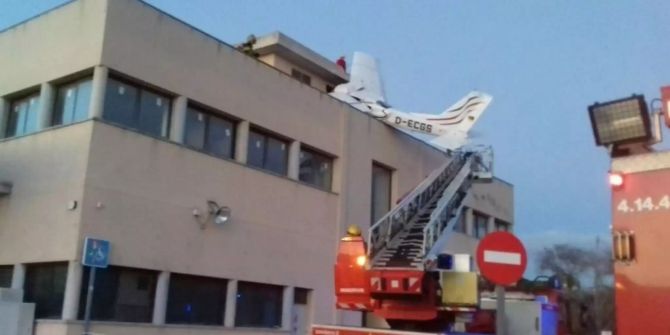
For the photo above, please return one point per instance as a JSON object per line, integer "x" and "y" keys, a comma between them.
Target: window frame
{"x": 390, "y": 190}
{"x": 476, "y": 224}
{"x": 210, "y": 113}
{"x": 141, "y": 88}
{"x": 211, "y": 280}
{"x": 255, "y": 287}
{"x": 301, "y": 76}
{"x": 17, "y": 99}
{"x": 321, "y": 155}
{"x": 267, "y": 135}
{"x": 57, "y": 89}
{"x": 6, "y": 271}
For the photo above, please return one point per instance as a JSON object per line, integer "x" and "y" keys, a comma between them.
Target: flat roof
{"x": 295, "y": 52}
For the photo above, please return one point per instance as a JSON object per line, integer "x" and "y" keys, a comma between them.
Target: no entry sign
{"x": 501, "y": 258}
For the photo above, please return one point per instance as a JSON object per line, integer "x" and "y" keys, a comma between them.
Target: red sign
{"x": 501, "y": 258}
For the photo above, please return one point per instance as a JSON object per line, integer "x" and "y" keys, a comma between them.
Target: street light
{"x": 622, "y": 121}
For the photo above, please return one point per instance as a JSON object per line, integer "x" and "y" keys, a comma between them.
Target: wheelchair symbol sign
{"x": 96, "y": 253}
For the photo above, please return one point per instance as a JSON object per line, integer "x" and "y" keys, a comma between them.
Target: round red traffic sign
{"x": 501, "y": 258}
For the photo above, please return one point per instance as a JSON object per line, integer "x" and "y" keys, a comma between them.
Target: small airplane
{"x": 447, "y": 130}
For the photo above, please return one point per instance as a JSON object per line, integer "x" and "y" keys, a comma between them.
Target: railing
{"x": 383, "y": 231}
{"x": 448, "y": 206}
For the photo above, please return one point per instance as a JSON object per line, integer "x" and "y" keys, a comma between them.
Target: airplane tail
{"x": 364, "y": 79}
{"x": 463, "y": 115}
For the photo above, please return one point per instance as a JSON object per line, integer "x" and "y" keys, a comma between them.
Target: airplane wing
{"x": 364, "y": 80}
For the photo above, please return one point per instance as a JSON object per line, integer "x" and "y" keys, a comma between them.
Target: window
{"x": 6, "y": 275}
{"x": 502, "y": 225}
{"x": 300, "y": 296}
{"x": 267, "y": 152}
{"x": 72, "y": 102}
{"x": 121, "y": 294}
{"x": 196, "y": 300}
{"x": 23, "y": 115}
{"x": 209, "y": 133}
{"x": 316, "y": 169}
{"x": 381, "y": 192}
{"x": 137, "y": 108}
{"x": 302, "y": 77}
{"x": 258, "y": 305}
{"x": 329, "y": 88}
{"x": 45, "y": 286}
{"x": 460, "y": 224}
{"x": 480, "y": 222}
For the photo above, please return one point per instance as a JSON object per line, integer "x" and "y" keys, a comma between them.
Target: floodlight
{"x": 616, "y": 179}
{"x": 621, "y": 121}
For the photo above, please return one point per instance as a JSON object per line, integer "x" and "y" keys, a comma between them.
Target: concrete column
{"x": 4, "y": 116}
{"x": 161, "y": 297}
{"x": 469, "y": 222}
{"x": 491, "y": 225}
{"x": 294, "y": 160}
{"x": 47, "y": 95}
{"x": 242, "y": 141}
{"x": 178, "y": 122}
{"x": 231, "y": 304}
{"x": 72, "y": 289}
{"x": 18, "y": 276}
{"x": 287, "y": 308}
{"x": 98, "y": 89}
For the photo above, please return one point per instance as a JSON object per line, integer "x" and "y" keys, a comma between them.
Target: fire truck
{"x": 398, "y": 271}
{"x": 639, "y": 177}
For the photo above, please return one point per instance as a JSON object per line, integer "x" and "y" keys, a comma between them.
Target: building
{"x": 121, "y": 122}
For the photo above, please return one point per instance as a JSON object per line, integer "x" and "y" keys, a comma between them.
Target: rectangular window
{"x": 45, "y": 286}
{"x": 137, "y": 108}
{"x": 301, "y": 296}
{"x": 480, "y": 222}
{"x": 121, "y": 294}
{"x": 381, "y": 192}
{"x": 302, "y": 77}
{"x": 72, "y": 102}
{"x": 460, "y": 224}
{"x": 258, "y": 305}
{"x": 316, "y": 169}
{"x": 6, "y": 275}
{"x": 501, "y": 225}
{"x": 209, "y": 133}
{"x": 22, "y": 118}
{"x": 267, "y": 152}
{"x": 196, "y": 300}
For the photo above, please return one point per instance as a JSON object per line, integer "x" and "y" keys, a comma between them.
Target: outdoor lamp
{"x": 621, "y": 121}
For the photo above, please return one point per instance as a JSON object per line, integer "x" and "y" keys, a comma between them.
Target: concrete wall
{"x": 57, "y": 43}
{"x": 493, "y": 199}
{"x": 48, "y": 171}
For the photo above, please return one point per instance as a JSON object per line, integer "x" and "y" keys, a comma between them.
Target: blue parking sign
{"x": 96, "y": 253}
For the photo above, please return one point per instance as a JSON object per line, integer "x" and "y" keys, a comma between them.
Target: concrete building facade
{"x": 121, "y": 122}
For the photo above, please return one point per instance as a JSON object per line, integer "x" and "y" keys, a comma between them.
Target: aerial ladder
{"x": 393, "y": 272}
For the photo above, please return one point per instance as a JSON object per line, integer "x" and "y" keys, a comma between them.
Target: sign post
{"x": 502, "y": 260}
{"x": 96, "y": 255}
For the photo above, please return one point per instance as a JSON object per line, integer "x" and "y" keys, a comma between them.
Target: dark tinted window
{"x": 72, "y": 102}
{"x": 137, "y": 108}
{"x": 121, "y": 294}
{"x": 22, "y": 118}
{"x": 45, "y": 286}
{"x": 381, "y": 192}
{"x": 210, "y": 133}
{"x": 460, "y": 224}
{"x": 196, "y": 300}
{"x": 304, "y": 78}
{"x": 6, "y": 275}
{"x": 300, "y": 296}
{"x": 316, "y": 169}
{"x": 480, "y": 223}
{"x": 258, "y": 305}
{"x": 267, "y": 152}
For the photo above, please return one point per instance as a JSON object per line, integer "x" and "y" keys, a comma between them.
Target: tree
{"x": 587, "y": 307}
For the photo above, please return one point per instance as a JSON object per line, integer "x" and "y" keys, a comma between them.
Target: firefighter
{"x": 342, "y": 63}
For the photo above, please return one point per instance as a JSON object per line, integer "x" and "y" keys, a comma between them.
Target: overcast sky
{"x": 544, "y": 62}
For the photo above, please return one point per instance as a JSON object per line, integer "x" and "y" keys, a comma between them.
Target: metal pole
{"x": 501, "y": 323}
{"x": 89, "y": 302}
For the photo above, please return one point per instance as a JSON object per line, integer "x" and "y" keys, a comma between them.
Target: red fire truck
{"x": 640, "y": 181}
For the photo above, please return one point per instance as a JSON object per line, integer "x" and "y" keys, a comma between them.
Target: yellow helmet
{"x": 353, "y": 230}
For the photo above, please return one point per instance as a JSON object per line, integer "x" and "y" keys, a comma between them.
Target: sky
{"x": 543, "y": 62}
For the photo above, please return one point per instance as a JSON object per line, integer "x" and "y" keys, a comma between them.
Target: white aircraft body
{"x": 447, "y": 130}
